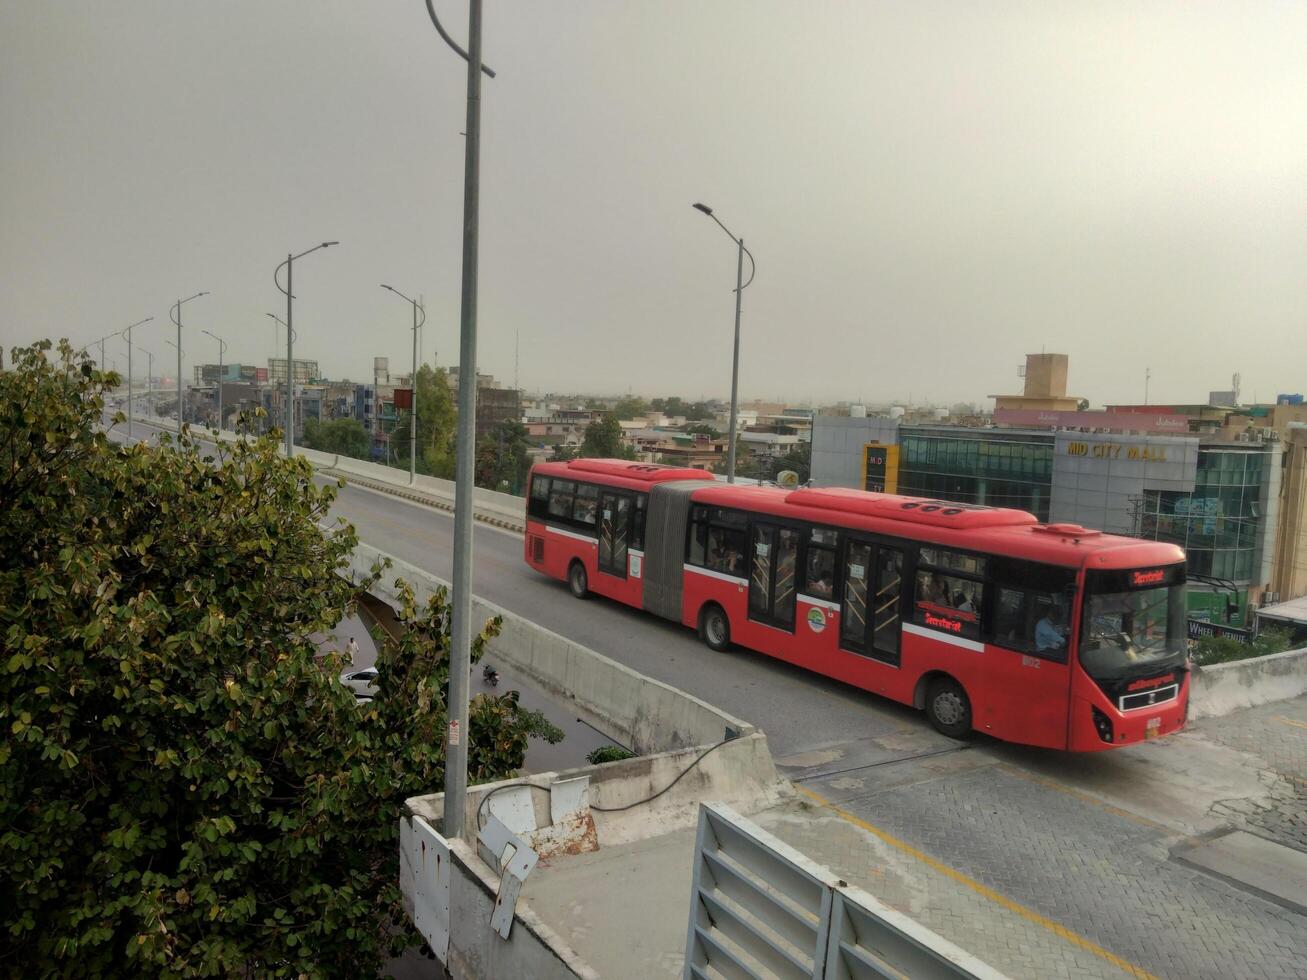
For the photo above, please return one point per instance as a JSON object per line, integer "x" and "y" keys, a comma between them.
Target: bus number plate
{"x": 1152, "y": 728}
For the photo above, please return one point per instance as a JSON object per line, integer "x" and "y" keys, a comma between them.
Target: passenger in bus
{"x": 938, "y": 593}
{"x": 821, "y": 574}
{"x": 734, "y": 561}
{"x": 962, "y": 602}
{"x": 1050, "y": 633}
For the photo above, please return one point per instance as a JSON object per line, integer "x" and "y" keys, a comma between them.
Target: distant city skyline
{"x": 942, "y": 191}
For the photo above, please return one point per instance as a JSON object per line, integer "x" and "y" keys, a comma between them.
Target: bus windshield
{"x": 1131, "y": 626}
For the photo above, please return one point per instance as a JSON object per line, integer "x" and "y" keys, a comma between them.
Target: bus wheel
{"x": 948, "y": 708}
{"x": 716, "y": 628}
{"x": 577, "y": 580}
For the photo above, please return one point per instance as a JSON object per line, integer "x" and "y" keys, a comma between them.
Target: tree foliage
{"x": 502, "y": 460}
{"x": 185, "y": 787}
{"x": 630, "y": 407}
{"x": 603, "y": 440}
{"x": 675, "y": 406}
{"x": 345, "y": 437}
{"x": 437, "y": 425}
{"x": 1220, "y": 649}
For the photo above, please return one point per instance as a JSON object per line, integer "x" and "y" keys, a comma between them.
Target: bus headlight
{"x": 1103, "y": 724}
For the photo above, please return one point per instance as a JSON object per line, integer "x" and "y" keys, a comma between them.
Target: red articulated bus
{"x": 1042, "y": 634}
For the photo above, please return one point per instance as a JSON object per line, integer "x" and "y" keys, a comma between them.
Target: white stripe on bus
{"x": 957, "y": 641}
{"x": 819, "y": 603}
{"x": 569, "y": 534}
{"x": 714, "y": 574}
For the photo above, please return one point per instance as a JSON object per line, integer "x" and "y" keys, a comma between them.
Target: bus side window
{"x": 1032, "y": 622}
{"x": 949, "y": 603}
{"x": 539, "y": 505}
{"x": 585, "y": 510}
{"x": 819, "y": 581}
{"x": 698, "y": 536}
{"x": 560, "y": 498}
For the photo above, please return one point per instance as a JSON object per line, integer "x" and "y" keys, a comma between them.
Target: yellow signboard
{"x": 880, "y": 468}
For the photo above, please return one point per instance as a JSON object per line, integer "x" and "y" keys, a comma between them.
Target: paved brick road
{"x": 1069, "y": 874}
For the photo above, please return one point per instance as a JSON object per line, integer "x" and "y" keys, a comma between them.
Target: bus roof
{"x": 623, "y": 469}
{"x": 972, "y": 527}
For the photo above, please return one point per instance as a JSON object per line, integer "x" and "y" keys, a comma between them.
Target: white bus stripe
{"x": 568, "y": 534}
{"x": 957, "y": 641}
{"x": 819, "y": 603}
{"x": 714, "y": 574}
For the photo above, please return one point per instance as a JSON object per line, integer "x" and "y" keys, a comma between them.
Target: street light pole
{"x": 131, "y": 390}
{"x": 290, "y": 342}
{"x": 460, "y": 654}
{"x": 222, "y": 349}
{"x": 277, "y": 320}
{"x": 735, "y": 360}
{"x": 413, "y": 408}
{"x": 177, "y": 319}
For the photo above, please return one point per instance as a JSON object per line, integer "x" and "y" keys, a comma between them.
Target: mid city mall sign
{"x": 1114, "y": 450}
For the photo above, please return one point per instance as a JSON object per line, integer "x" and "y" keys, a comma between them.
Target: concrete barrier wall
{"x": 484, "y": 501}
{"x": 634, "y": 710}
{"x": 1221, "y": 688}
{"x": 739, "y": 772}
{"x": 532, "y": 949}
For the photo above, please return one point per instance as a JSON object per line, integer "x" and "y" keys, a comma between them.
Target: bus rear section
{"x": 586, "y": 523}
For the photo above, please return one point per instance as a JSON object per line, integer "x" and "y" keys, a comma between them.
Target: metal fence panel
{"x": 761, "y": 910}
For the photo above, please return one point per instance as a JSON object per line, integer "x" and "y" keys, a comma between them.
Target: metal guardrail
{"x": 759, "y": 909}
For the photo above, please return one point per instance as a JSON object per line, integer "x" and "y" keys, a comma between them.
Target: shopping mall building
{"x": 1209, "y": 481}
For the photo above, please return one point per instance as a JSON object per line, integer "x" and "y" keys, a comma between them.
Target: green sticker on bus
{"x": 816, "y": 620}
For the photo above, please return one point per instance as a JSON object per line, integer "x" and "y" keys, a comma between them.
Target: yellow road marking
{"x": 984, "y": 890}
{"x": 1290, "y": 721}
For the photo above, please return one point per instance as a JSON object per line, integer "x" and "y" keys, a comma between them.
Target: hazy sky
{"x": 931, "y": 189}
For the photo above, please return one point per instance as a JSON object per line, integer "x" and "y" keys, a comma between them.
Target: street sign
{"x": 1199, "y": 629}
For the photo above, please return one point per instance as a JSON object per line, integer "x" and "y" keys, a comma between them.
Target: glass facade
{"x": 1010, "y": 469}
{"x": 1221, "y": 524}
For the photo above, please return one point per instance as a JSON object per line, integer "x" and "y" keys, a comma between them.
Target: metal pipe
{"x": 290, "y": 341}
{"x": 130, "y": 387}
{"x": 460, "y": 654}
{"x": 735, "y": 359}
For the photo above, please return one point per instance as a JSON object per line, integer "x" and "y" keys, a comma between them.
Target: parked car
{"x": 363, "y": 682}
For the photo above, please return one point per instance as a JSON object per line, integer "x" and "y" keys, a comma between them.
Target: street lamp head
{"x": 702, "y": 207}
{"x": 205, "y": 293}
{"x": 384, "y": 286}
{"x": 325, "y": 244}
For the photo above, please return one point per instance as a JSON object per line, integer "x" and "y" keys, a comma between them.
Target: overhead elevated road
{"x": 1042, "y": 863}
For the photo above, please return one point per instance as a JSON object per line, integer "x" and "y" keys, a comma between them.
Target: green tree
{"x": 603, "y": 440}
{"x": 184, "y": 789}
{"x": 502, "y": 460}
{"x": 346, "y": 437}
{"x": 628, "y": 408}
{"x": 437, "y": 423}
{"x": 702, "y": 428}
{"x": 562, "y": 453}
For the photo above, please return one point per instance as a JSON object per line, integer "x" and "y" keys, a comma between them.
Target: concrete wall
{"x": 475, "y": 950}
{"x": 628, "y": 707}
{"x": 1097, "y": 484}
{"x": 837, "y": 444}
{"x": 1222, "y": 688}
{"x": 739, "y": 772}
